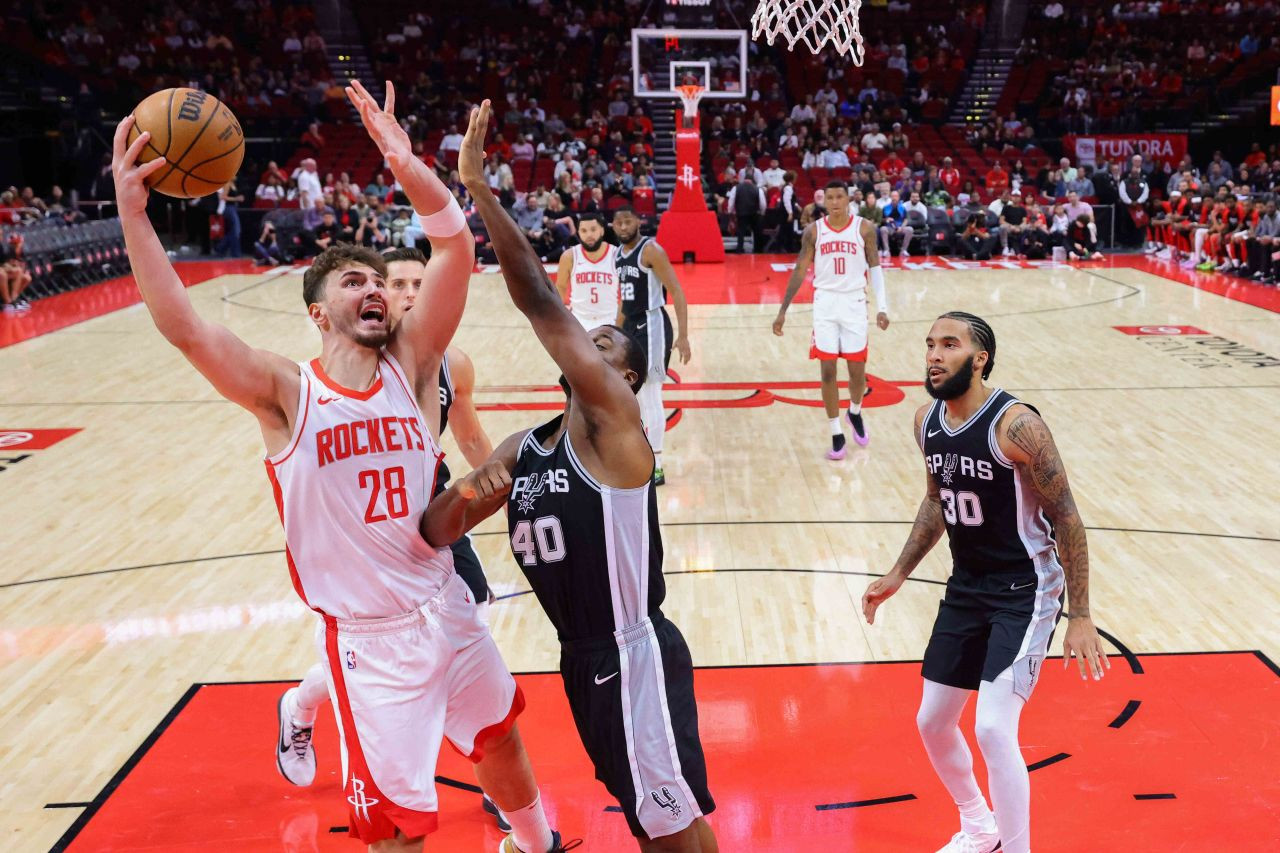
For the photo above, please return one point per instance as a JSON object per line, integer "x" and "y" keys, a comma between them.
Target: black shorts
{"x": 653, "y": 329}
{"x": 467, "y": 564}
{"x": 633, "y": 703}
{"x": 988, "y": 623}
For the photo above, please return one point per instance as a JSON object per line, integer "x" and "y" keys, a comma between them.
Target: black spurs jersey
{"x": 993, "y": 516}
{"x": 641, "y": 290}
{"x": 446, "y": 402}
{"x": 592, "y": 553}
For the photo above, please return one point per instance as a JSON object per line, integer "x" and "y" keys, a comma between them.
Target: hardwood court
{"x": 142, "y": 555}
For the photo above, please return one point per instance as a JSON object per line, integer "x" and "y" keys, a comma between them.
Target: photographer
{"x": 267, "y": 249}
{"x": 974, "y": 242}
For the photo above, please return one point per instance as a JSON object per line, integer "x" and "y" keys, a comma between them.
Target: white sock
{"x": 529, "y": 826}
{"x": 976, "y": 817}
{"x": 996, "y": 726}
{"x": 312, "y": 692}
{"x": 836, "y": 429}
{"x": 855, "y": 408}
{"x": 653, "y": 413}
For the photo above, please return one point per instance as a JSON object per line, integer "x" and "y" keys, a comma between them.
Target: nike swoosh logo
{"x": 932, "y": 434}
{"x": 641, "y": 325}
{"x": 1024, "y": 586}
{"x": 324, "y": 401}
{"x": 600, "y": 680}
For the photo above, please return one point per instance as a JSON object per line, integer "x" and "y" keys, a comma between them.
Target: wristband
{"x": 875, "y": 275}
{"x": 445, "y": 222}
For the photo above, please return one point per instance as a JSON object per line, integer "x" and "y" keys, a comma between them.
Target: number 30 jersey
{"x": 993, "y": 516}
{"x": 351, "y": 488}
{"x": 592, "y": 553}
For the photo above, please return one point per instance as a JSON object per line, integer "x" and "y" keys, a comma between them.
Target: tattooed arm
{"x": 1025, "y": 439}
{"x": 925, "y": 533}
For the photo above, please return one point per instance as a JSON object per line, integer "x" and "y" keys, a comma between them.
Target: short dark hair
{"x": 591, "y": 216}
{"x": 836, "y": 184}
{"x": 624, "y": 208}
{"x": 404, "y": 253}
{"x": 981, "y": 333}
{"x": 333, "y": 258}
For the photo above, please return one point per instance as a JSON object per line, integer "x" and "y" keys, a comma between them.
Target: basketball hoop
{"x": 817, "y": 23}
{"x": 690, "y": 94}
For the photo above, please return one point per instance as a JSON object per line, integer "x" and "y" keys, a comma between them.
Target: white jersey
{"x": 840, "y": 258}
{"x": 351, "y": 488}
{"x": 593, "y": 287}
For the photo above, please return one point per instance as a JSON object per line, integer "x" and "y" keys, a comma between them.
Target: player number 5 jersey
{"x": 351, "y": 488}
{"x": 593, "y": 286}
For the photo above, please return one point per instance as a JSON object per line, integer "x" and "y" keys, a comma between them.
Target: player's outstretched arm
{"x": 807, "y": 242}
{"x": 925, "y": 533}
{"x": 453, "y": 249}
{"x": 260, "y": 381}
{"x": 1026, "y": 440}
{"x": 599, "y": 388}
{"x": 464, "y": 423}
{"x": 656, "y": 257}
{"x": 472, "y": 499}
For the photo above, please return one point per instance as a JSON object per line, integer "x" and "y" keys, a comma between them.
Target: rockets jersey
{"x": 446, "y": 403}
{"x": 593, "y": 285}
{"x": 641, "y": 290}
{"x": 592, "y": 553}
{"x": 839, "y": 258}
{"x": 993, "y": 516}
{"x": 351, "y": 488}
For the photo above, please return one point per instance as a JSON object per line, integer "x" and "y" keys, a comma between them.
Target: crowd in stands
{"x": 20, "y": 208}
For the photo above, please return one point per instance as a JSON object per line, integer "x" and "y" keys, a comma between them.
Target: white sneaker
{"x": 963, "y": 842}
{"x": 1008, "y": 253}
{"x": 295, "y": 757}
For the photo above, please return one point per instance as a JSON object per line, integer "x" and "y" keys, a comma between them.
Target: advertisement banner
{"x": 1119, "y": 147}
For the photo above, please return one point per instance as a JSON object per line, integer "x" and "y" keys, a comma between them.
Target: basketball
{"x": 197, "y": 134}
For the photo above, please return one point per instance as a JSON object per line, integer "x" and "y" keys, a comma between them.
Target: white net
{"x": 817, "y": 23}
{"x": 690, "y": 95}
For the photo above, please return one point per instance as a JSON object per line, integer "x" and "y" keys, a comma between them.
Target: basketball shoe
{"x": 964, "y": 842}
{"x": 508, "y": 844}
{"x": 492, "y": 808}
{"x": 295, "y": 758}
{"x": 859, "y": 429}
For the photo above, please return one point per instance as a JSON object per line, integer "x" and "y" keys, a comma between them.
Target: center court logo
{"x": 359, "y": 802}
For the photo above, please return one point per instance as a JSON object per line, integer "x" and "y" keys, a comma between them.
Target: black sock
{"x": 837, "y": 442}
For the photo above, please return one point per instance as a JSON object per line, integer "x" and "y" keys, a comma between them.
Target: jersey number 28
{"x": 540, "y": 539}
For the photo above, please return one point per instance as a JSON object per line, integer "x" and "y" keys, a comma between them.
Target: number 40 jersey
{"x": 591, "y": 553}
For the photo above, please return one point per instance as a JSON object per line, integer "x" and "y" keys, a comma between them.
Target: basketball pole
{"x": 688, "y": 228}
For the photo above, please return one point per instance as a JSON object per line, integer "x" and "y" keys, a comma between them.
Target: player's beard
{"x": 591, "y": 247}
{"x": 953, "y": 386}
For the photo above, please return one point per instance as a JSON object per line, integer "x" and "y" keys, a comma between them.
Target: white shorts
{"x": 591, "y": 321}
{"x": 400, "y": 685}
{"x": 839, "y": 327}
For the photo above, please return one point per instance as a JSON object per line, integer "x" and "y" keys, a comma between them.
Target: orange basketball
{"x": 199, "y": 137}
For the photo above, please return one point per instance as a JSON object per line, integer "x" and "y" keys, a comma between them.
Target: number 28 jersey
{"x": 351, "y": 488}
{"x": 592, "y": 553}
{"x": 993, "y": 516}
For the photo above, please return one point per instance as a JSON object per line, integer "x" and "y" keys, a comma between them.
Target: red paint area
{"x": 780, "y": 741}
{"x": 704, "y": 395}
{"x": 66, "y": 309}
{"x": 33, "y": 439}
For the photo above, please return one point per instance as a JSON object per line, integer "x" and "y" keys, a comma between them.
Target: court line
{"x": 1052, "y": 759}
{"x": 1155, "y": 796}
{"x": 1194, "y": 533}
{"x": 1125, "y": 715}
{"x": 115, "y": 781}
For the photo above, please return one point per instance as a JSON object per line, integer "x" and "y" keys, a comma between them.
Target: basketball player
{"x": 842, "y": 248}
{"x": 997, "y": 485}
{"x": 583, "y": 522}
{"x": 352, "y": 455}
{"x": 588, "y": 275}
{"x": 646, "y": 277}
{"x": 295, "y": 753}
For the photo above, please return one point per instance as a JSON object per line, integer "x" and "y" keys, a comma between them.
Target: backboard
{"x": 662, "y": 59}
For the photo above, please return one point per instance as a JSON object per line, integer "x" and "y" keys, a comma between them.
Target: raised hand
{"x": 381, "y": 124}
{"x": 471, "y": 155}
{"x": 130, "y": 178}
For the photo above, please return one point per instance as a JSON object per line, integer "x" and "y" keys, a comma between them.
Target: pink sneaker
{"x": 859, "y": 430}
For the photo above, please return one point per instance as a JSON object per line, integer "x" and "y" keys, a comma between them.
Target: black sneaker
{"x": 659, "y": 478}
{"x": 859, "y": 431}
{"x": 492, "y": 808}
{"x": 508, "y": 844}
{"x": 837, "y": 448}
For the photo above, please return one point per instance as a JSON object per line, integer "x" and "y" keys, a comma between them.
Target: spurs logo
{"x": 668, "y": 801}
{"x": 527, "y": 490}
{"x": 359, "y": 802}
{"x": 949, "y": 467}
{"x": 687, "y": 177}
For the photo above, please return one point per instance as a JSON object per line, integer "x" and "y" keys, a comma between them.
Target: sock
{"x": 939, "y": 723}
{"x": 657, "y": 459}
{"x": 996, "y": 726}
{"x": 652, "y": 412}
{"x": 975, "y": 817}
{"x": 855, "y": 408}
{"x": 836, "y": 429}
{"x": 529, "y": 826}
{"x": 313, "y": 691}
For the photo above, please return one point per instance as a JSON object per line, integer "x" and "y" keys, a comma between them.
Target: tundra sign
{"x": 1090, "y": 150}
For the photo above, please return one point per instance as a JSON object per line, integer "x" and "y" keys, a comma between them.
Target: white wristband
{"x": 445, "y": 222}
{"x": 876, "y": 277}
